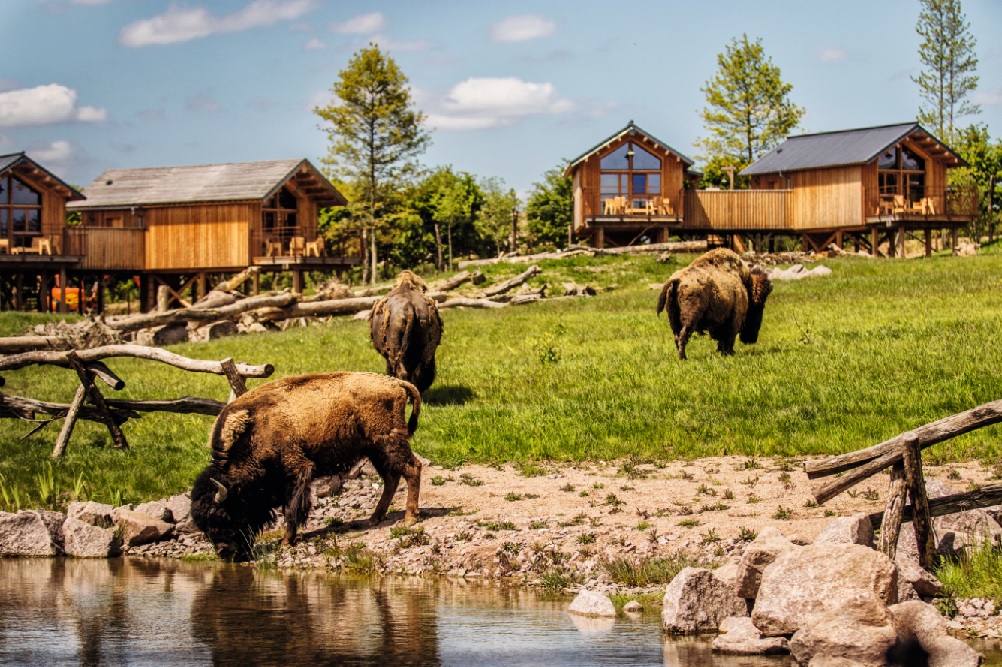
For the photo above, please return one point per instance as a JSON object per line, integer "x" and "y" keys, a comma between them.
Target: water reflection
{"x": 142, "y": 612}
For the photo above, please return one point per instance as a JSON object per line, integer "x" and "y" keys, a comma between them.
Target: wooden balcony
{"x": 107, "y": 248}
{"x": 934, "y": 208}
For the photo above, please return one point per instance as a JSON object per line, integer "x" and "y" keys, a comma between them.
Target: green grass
{"x": 843, "y": 362}
{"x": 978, "y": 574}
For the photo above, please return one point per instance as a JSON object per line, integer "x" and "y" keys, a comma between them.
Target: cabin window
{"x": 279, "y": 218}
{"x": 901, "y": 171}
{"x": 631, "y": 172}
{"x": 20, "y": 211}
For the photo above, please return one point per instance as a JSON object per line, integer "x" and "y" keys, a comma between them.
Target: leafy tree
{"x": 550, "y": 208}
{"x": 947, "y": 53}
{"x": 983, "y": 173}
{"x": 748, "y": 108}
{"x": 447, "y": 203}
{"x": 494, "y": 220}
{"x": 375, "y": 132}
{"x": 716, "y": 172}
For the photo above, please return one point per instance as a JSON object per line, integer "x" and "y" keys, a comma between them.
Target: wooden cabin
{"x": 861, "y": 185}
{"x": 629, "y": 187}
{"x": 177, "y": 226}
{"x": 33, "y": 205}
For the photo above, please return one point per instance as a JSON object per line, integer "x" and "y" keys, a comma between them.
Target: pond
{"x": 146, "y": 612}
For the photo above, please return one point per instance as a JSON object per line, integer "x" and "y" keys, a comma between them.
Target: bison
{"x": 270, "y": 443}
{"x": 718, "y": 293}
{"x": 406, "y": 329}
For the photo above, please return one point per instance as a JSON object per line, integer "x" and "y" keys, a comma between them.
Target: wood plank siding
{"x": 108, "y": 248}
{"x": 198, "y": 237}
{"x": 737, "y": 210}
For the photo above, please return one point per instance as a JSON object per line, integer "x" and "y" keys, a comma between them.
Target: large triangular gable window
{"x": 631, "y": 172}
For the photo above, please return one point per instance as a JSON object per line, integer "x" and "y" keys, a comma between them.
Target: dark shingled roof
{"x": 205, "y": 183}
{"x": 11, "y": 160}
{"x": 842, "y": 148}
{"x": 631, "y": 127}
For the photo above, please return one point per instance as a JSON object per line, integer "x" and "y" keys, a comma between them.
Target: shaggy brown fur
{"x": 716, "y": 294}
{"x": 406, "y": 329}
{"x": 269, "y": 444}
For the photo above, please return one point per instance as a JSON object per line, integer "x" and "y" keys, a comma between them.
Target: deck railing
{"x": 727, "y": 210}
{"x": 951, "y": 201}
{"x": 293, "y": 242}
{"x": 107, "y": 248}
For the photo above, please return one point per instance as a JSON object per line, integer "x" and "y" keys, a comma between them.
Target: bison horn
{"x": 221, "y": 493}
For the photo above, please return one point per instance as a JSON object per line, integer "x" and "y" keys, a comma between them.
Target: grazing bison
{"x": 718, "y": 294}
{"x": 270, "y": 443}
{"x": 406, "y": 329}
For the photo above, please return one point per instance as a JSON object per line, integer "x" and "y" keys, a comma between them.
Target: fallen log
{"x": 237, "y": 280}
{"x": 511, "y": 283}
{"x": 60, "y": 358}
{"x": 671, "y": 246}
{"x": 316, "y": 308}
{"x": 987, "y": 496}
{"x": 452, "y": 283}
{"x": 121, "y": 409}
{"x": 231, "y": 311}
{"x": 464, "y": 302}
{"x": 18, "y": 344}
{"x": 527, "y": 259}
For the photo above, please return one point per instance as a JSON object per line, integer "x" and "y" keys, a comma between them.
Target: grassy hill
{"x": 842, "y": 362}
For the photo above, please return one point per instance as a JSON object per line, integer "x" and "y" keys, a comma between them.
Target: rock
{"x": 169, "y": 334}
{"x": 633, "y": 607}
{"x": 914, "y": 582}
{"x": 826, "y": 661}
{"x": 157, "y": 509}
{"x": 54, "y": 522}
{"x": 740, "y": 637}
{"x": 138, "y": 528}
{"x": 922, "y": 632}
{"x": 96, "y": 514}
{"x": 213, "y": 330}
{"x": 696, "y": 601}
{"x": 180, "y": 507}
{"x": 859, "y": 629}
{"x": 362, "y": 314}
{"x": 26, "y": 534}
{"x": 590, "y": 603}
{"x": 83, "y": 540}
{"x": 327, "y": 486}
{"x": 818, "y": 578}
{"x": 758, "y": 555}
{"x": 855, "y": 529}
{"x": 963, "y": 531}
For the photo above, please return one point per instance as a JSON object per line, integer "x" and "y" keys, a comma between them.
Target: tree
{"x": 748, "y": 108}
{"x": 947, "y": 53}
{"x": 550, "y": 208}
{"x": 498, "y": 213}
{"x": 983, "y": 173}
{"x": 375, "y": 133}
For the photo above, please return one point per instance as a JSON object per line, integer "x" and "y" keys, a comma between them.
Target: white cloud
{"x": 313, "y": 44}
{"x": 988, "y": 98}
{"x": 181, "y": 24}
{"x": 44, "y": 105}
{"x": 363, "y": 24}
{"x": 59, "y": 151}
{"x": 831, "y": 54}
{"x": 479, "y": 103}
{"x": 522, "y": 28}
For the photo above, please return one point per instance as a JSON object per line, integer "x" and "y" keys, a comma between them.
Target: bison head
{"x": 759, "y": 288}
{"x": 229, "y": 516}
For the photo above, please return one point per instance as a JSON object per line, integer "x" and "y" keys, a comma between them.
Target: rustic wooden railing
{"x": 88, "y": 365}
{"x": 903, "y": 455}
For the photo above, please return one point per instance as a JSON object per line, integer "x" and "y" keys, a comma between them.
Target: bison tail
{"x": 668, "y": 294}
{"x": 415, "y": 396}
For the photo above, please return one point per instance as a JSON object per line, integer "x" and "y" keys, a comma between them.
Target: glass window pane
{"x": 20, "y": 219}
{"x": 653, "y": 184}
{"x": 4, "y": 228}
{"x": 286, "y": 199}
{"x": 642, "y": 159}
{"x": 616, "y": 159}
{"x": 640, "y": 184}
{"x": 610, "y": 183}
{"x": 911, "y": 161}
{"x": 34, "y": 220}
{"x": 889, "y": 160}
{"x": 24, "y": 195}
{"x": 4, "y": 190}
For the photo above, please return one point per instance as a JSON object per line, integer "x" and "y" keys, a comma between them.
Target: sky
{"x": 510, "y": 89}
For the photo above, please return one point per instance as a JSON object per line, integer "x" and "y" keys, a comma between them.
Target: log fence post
{"x": 890, "y": 529}
{"x": 921, "y": 519}
{"x": 237, "y": 385}
{"x": 98, "y": 400}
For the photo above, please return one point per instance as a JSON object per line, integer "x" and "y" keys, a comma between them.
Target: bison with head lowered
{"x": 718, "y": 293}
{"x": 406, "y": 329}
{"x": 270, "y": 443}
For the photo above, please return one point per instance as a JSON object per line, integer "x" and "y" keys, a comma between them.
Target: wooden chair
{"x": 4, "y": 247}
{"x": 315, "y": 248}
{"x": 41, "y": 245}
{"x": 297, "y": 246}
{"x": 928, "y": 205}
{"x": 899, "y": 204}
{"x": 272, "y": 248}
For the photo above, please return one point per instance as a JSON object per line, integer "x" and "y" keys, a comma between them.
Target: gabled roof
{"x": 241, "y": 181}
{"x": 21, "y": 161}
{"x": 633, "y": 129}
{"x": 846, "y": 147}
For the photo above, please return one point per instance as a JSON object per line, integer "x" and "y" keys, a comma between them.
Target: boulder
{"x": 138, "y": 528}
{"x": 696, "y": 601}
{"x": 158, "y": 509}
{"x": 169, "y": 334}
{"x": 591, "y": 603}
{"x": 758, "y": 555}
{"x": 26, "y": 534}
{"x": 922, "y": 633}
{"x": 180, "y": 507}
{"x": 83, "y": 540}
{"x": 827, "y": 661}
{"x": 914, "y": 582}
{"x": 633, "y": 607}
{"x": 740, "y": 637}
{"x": 855, "y": 529}
{"x": 96, "y": 514}
{"x": 54, "y": 522}
{"x": 213, "y": 330}
{"x": 819, "y": 578}
{"x": 859, "y": 629}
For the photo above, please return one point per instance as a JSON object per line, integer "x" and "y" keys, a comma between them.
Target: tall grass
{"x": 977, "y": 574}
{"x": 842, "y": 362}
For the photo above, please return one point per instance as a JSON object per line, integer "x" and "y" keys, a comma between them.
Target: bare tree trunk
{"x": 438, "y": 247}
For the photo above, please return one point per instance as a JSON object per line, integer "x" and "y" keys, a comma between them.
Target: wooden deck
{"x": 303, "y": 263}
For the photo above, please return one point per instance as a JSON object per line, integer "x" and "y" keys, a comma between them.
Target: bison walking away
{"x": 270, "y": 443}
{"x": 406, "y": 329}
{"x": 716, "y": 294}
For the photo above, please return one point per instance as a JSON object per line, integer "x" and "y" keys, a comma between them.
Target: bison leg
{"x": 390, "y": 483}
{"x": 412, "y": 473}
{"x": 297, "y": 509}
{"x": 681, "y": 340}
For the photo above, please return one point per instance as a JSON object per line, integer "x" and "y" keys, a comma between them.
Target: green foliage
{"x": 549, "y": 210}
{"x": 651, "y": 571}
{"x": 983, "y": 173}
{"x": 494, "y": 220}
{"x": 748, "y": 108}
{"x": 978, "y": 574}
{"x": 949, "y": 62}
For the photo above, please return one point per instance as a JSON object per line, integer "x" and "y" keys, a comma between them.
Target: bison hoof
{"x": 410, "y": 521}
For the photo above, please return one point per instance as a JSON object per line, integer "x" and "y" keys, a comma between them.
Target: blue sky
{"x": 510, "y": 88}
